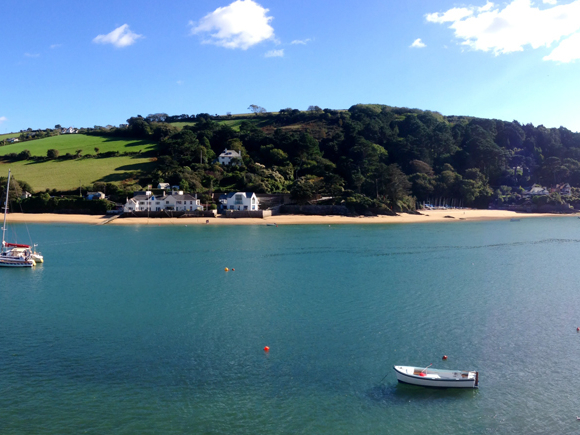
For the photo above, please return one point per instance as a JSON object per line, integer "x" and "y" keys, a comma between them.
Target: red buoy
{"x": 444, "y": 357}
{"x": 578, "y": 329}
{"x": 266, "y": 349}
{"x": 422, "y": 374}
{"x": 233, "y": 270}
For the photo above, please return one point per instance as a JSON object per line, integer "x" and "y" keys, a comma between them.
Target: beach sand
{"x": 403, "y": 218}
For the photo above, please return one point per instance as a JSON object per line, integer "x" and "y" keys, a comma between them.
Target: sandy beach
{"x": 426, "y": 217}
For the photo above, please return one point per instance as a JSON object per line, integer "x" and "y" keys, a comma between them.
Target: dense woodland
{"x": 370, "y": 157}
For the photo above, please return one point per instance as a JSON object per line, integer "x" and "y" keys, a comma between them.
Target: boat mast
{"x": 5, "y": 208}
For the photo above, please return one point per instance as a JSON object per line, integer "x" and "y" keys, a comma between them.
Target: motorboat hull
{"x": 435, "y": 378}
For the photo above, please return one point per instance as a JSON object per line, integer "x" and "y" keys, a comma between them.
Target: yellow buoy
{"x": 226, "y": 269}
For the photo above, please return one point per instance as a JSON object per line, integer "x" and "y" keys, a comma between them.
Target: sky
{"x": 82, "y": 64}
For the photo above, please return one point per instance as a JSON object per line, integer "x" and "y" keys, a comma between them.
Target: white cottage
{"x": 227, "y": 156}
{"x": 242, "y": 201}
{"x": 175, "y": 201}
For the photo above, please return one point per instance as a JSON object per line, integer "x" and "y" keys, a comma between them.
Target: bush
{"x": 24, "y": 155}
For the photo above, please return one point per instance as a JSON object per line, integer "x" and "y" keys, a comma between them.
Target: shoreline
{"x": 430, "y": 216}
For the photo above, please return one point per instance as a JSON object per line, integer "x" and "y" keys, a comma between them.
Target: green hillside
{"x": 233, "y": 123}
{"x": 65, "y": 175}
{"x": 69, "y": 143}
{"x": 8, "y": 135}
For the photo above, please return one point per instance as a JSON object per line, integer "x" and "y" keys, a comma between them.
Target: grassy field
{"x": 69, "y": 143}
{"x": 8, "y": 135}
{"x": 65, "y": 175}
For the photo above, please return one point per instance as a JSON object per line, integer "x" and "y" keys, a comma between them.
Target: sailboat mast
{"x": 5, "y": 209}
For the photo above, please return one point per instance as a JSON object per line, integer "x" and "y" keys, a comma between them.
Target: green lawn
{"x": 8, "y": 135}
{"x": 69, "y": 143}
{"x": 66, "y": 174}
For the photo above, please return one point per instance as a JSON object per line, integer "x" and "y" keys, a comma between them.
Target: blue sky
{"x": 97, "y": 63}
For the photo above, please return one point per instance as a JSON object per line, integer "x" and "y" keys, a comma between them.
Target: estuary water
{"x": 139, "y": 330}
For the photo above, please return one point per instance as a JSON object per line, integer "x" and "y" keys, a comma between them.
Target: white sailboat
{"x": 13, "y": 254}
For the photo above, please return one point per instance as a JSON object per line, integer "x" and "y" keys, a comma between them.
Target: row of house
{"x": 70, "y": 130}
{"x": 175, "y": 200}
{"x": 563, "y": 189}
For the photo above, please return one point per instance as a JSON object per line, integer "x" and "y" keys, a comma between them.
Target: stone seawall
{"x": 320, "y": 210}
{"x": 256, "y": 214}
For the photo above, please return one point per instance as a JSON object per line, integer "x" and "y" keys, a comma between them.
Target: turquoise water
{"x": 138, "y": 330}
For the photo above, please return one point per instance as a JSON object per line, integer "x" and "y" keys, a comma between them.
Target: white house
{"x": 12, "y": 140}
{"x": 239, "y": 201}
{"x": 227, "y": 156}
{"x": 163, "y": 186}
{"x": 174, "y": 201}
{"x": 69, "y": 130}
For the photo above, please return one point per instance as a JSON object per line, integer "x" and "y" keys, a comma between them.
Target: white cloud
{"x": 120, "y": 37}
{"x": 275, "y": 53}
{"x": 567, "y": 51}
{"x": 417, "y": 43}
{"x": 301, "y": 41}
{"x": 31, "y": 55}
{"x": 240, "y": 25}
{"x": 515, "y": 26}
{"x": 53, "y": 46}
{"x": 550, "y": 2}
{"x": 2, "y": 119}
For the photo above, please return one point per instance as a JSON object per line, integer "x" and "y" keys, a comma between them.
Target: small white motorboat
{"x": 438, "y": 378}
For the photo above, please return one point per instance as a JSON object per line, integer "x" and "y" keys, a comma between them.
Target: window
{"x": 178, "y": 202}
{"x": 157, "y": 203}
{"x": 166, "y": 202}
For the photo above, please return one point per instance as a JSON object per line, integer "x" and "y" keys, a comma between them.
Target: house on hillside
{"x": 70, "y": 130}
{"x": 95, "y": 195}
{"x": 563, "y": 189}
{"x": 535, "y": 190}
{"x": 173, "y": 201}
{"x": 242, "y": 201}
{"x": 163, "y": 186}
{"x": 25, "y": 194}
{"x": 12, "y": 140}
{"x": 230, "y": 157}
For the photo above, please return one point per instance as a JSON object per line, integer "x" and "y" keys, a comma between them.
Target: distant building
{"x": 227, "y": 156}
{"x": 174, "y": 201}
{"x": 12, "y": 140}
{"x": 25, "y": 195}
{"x": 163, "y": 186}
{"x": 239, "y": 201}
{"x": 536, "y": 190}
{"x": 563, "y": 189}
{"x": 95, "y": 195}
{"x": 70, "y": 130}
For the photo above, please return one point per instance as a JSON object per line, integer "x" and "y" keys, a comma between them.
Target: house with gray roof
{"x": 241, "y": 201}
{"x": 173, "y": 201}
{"x": 230, "y": 157}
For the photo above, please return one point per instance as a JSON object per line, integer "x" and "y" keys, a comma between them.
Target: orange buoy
{"x": 233, "y": 270}
{"x": 226, "y": 269}
{"x": 444, "y": 357}
{"x": 266, "y": 349}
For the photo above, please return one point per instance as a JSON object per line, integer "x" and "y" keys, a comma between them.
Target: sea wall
{"x": 257, "y": 214}
{"x": 320, "y": 210}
